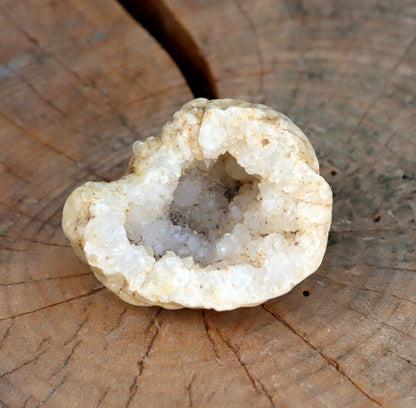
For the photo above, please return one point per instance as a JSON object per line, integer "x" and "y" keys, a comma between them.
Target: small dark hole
{"x": 305, "y": 293}
{"x": 232, "y": 190}
{"x": 334, "y": 172}
{"x": 265, "y": 142}
{"x": 376, "y": 217}
{"x": 405, "y": 176}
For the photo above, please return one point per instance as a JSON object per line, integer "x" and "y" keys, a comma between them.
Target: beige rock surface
{"x": 224, "y": 209}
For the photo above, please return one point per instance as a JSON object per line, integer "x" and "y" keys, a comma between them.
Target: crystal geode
{"x": 224, "y": 209}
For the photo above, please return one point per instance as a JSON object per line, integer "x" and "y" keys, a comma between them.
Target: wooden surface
{"x": 80, "y": 80}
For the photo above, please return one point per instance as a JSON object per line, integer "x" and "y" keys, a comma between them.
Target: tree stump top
{"x": 80, "y": 81}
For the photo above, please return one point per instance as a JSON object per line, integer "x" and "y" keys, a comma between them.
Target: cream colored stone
{"x": 224, "y": 209}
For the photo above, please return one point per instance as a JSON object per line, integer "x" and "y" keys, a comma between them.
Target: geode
{"x": 224, "y": 209}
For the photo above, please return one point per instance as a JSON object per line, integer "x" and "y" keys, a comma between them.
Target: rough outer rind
{"x": 267, "y": 144}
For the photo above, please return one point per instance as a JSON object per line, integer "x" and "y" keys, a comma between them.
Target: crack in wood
{"x": 77, "y": 330}
{"x": 365, "y": 289}
{"x": 44, "y": 340}
{"x": 141, "y": 363}
{"x": 57, "y": 214}
{"x": 125, "y": 105}
{"x": 326, "y": 357}
{"x": 395, "y": 268}
{"x": 394, "y": 131}
{"x": 15, "y": 240}
{"x": 115, "y": 110}
{"x": 211, "y": 340}
{"x": 399, "y": 230}
{"x": 51, "y": 278}
{"x": 392, "y": 268}
{"x": 253, "y": 381}
{"x": 33, "y": 359}
{"x": 132, "y": 390}
{"x": 25, "y": 131}
{"x": 9, "y": 169}
{"x": 26, "y": 34}
{"x": 189, "y": 390}
{"x": 402, "y": 358}
{"x": 56, "y": 388}
{"x": 153, "y": 321}
{"x": 11, "y": 249}
{"x": 268, "y": 395}
{"x": 24, "y": 403}
{"x": 40, "y": 95}
{"x": 232, "y": 348}
{"x": 376, "y": 320}
{"x": 65, "y": 363}
{"x": 22, "y": 213}
{"x": 167, "y": 30}
{"x": 7, "y": 333}
{"x": 101, "y": 399}
{"x": 150, "y": 346}
{"x": 92, "y": 292}
{"x": 117, "y": 324}
{"x": 76, "y": 75}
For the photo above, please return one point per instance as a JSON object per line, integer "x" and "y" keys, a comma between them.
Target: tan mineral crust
{"x": 224, "y": 209}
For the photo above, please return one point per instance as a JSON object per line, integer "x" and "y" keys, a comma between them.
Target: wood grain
{"x": 79, "y": 81}
{"x": 345, "y": 73}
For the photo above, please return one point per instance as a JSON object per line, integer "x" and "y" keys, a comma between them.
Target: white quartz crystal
{"x": 224, "y": 209}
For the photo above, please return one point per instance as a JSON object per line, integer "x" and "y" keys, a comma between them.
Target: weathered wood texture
{"x": 79, "y": 81}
